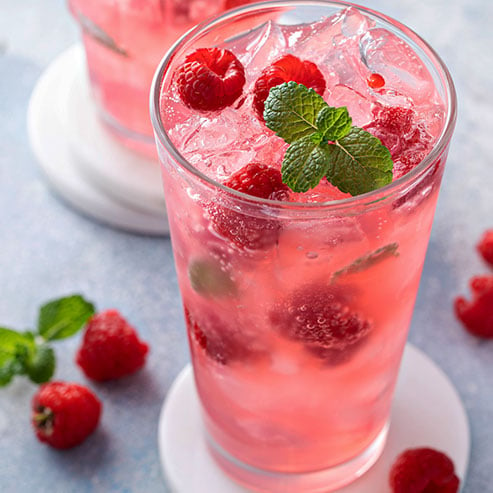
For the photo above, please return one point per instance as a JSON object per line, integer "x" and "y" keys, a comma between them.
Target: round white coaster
{"x": 426, "y": 412}
{"x": 82, "y": 161}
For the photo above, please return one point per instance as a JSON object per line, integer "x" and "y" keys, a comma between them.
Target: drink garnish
{"x": 208, "y": 279}
{"x": 368, "y": 260}
{"x": 324, "y": 143}
{"x": 27, "y": 353}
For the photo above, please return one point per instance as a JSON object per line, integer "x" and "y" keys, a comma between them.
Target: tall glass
{"x": 124, "y": 41}
{"x": 283, "y": 410}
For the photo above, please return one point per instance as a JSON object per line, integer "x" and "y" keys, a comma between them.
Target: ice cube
{"x": 391, "y": 57}
{"x": 354, "y": 23}
{"x": 259, "y": 48}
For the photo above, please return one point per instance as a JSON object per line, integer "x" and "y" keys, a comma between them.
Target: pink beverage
{"x": 124, "y": 41}
{"x": 298, "y": 304}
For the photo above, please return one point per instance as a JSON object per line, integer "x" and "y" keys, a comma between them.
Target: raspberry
{"x": 219, "y": 342}
{"x": 286, "y": 69}
{"x": 254, "y": 233}
{"x": 395, "y": 119}
{"x": 210, "y": 79}
{"x": 423, "y": 470}
{"x": 477, "y": 315}
{"x": 321, "y": 318}
{"x": 64, "y": 414}
{"x": 485, "y": 246}
{"x": 110, "y": 348}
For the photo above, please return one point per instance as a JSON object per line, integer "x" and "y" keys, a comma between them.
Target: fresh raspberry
{"x": 423, "y": 470}
{"x": 395, "y": 119}
{"x": 110, "y": 347}
{"x": 210, "y": 79}
{"x": 221, "y": 343}
{"x": 259, "y": 180}
{"x": 64, "y": 414}
{"x": 253, "y": 233}
{"x": 485, "y": 246}
{"x": 286, "y": 69}
{"x": 477, "y": 315}
{"x": 375, "y": 81}
{"x": 320, "y": 316}
{"x": 406, "y": 162}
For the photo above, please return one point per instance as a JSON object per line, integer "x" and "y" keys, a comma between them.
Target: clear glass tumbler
{"x": 283, "y": 411}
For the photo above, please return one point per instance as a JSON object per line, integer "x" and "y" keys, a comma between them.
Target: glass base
{"x": 321, "y": 481}
{"x": 141, "y": 144}
{"x": 425, "y": 408}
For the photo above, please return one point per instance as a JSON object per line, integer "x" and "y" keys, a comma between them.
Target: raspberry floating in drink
{"x": 287, "y": 68}
{"x": 210, "y": 79}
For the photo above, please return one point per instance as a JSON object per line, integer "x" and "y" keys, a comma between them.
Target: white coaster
{"x": 82, "y": 161}
{"x": 427, "y": 412}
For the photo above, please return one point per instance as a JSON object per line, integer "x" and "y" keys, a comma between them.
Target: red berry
{"x": 321, "y": 317}
{"x": 395, "y": 119}
{"x": 110, "y": 347}
{"x": 210, "y": 79}
{"x": 375, "y": 81}
{"x": 248, "y": 231}
{"x": 423, "y": 470}
{"x": 477, "y": 315}
{"x": 64, "y": 414}
{"x": 221, "y": 343}
{"x": 286, "y": 69}
{"x": 485, "y": 246}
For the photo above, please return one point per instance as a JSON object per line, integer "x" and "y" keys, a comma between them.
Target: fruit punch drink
{"x": 299, "y": 239}
{"x": 124, "y": 41}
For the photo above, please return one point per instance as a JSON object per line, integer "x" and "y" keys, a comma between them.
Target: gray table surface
{"x": 48, "y": 250}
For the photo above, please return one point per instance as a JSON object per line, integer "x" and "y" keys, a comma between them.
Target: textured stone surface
{"x": 48, "y": 250}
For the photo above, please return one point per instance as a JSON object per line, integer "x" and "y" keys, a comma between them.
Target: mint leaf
{"x": 324, "y": 143}
{"x": 291, "y": 110}
{"x": 333, "y": 123}
{"x": 359, "y": 163}
{"x": 64, "y": 317}
{"x": 41, "y": 365}
{"x": 14, "y": 352}
{"x": 368, "y": 260}
{"x": 304, "y": 165}
{"x": 208, "y": 279}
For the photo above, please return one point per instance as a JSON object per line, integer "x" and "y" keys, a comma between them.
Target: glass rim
{"x": 367, "y": 198}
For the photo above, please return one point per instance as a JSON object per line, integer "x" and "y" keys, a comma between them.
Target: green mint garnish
{"x": 368, "y": 260}
{"x": 28, "y": 353}
{"x": 323, "y": 142}
{"x": 208, "y": 279}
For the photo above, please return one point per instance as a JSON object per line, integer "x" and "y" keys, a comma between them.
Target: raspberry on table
{"x": 64, "y": 414}
{"x": 210, "y": 79}
{"x": 477, "y": 315}
{"x": 321, "y": 317}
{"x": 288, "y": 68}
{"x": 245, "y": 231}
{"x": 423, "y": 470}
{"x": 110, "y": 347}
{"x": 221, "y": 343}
{"x": 485, "y": 246}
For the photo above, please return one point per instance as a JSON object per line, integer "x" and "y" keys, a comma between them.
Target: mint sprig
{"x": 27, "y": 353}
{"x": 323, "y": 142}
